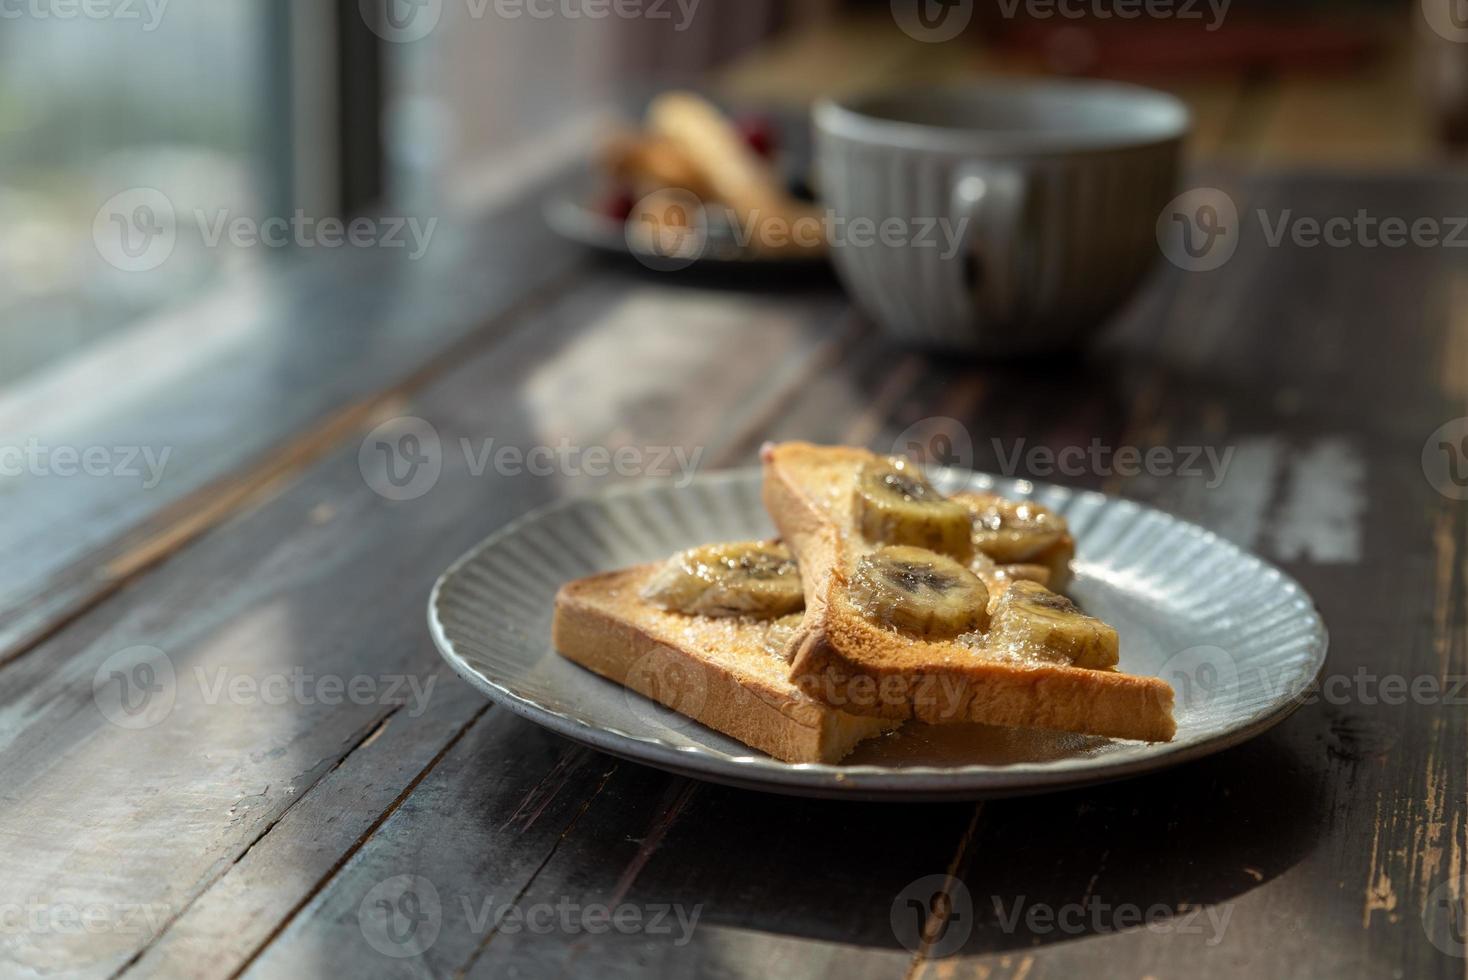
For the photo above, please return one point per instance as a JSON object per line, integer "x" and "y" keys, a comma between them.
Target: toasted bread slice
{"x": 648, "y": 163}
{"x": 840, "y": 655}
{"x": 736, "y": 176}
{"x": 728, "y": 673}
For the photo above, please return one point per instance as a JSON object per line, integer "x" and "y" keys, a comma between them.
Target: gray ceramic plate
{"x": 1239, "y": 641}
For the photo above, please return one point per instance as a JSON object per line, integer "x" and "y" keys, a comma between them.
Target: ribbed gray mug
{"x": 997, "y": 218}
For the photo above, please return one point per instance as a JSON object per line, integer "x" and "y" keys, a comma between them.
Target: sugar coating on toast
{"x": 726, "y": 672}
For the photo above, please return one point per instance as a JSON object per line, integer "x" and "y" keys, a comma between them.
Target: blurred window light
{"x": 106, "y": 102}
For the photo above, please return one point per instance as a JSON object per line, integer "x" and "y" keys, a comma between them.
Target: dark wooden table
{"x": 243, "y": 832}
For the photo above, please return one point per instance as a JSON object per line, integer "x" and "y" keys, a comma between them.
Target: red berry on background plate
{"x": 618, "y": 204}
{"x": 759, "y": 133}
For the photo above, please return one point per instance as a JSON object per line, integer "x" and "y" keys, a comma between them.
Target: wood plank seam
{"x": 361, "y": 841}
{"x": 369, "y": 733}
{"x": 937, "y": 921}
{"x": 489, "y": 936}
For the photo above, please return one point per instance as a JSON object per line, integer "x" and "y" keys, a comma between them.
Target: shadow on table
{"x": 1035, "y": 870}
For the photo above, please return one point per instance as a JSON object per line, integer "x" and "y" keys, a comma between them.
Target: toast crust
{"x": 726, "y": 673}
{"x": 842, "y": 658}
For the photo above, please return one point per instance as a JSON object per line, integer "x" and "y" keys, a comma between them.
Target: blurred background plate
{"x": 579, "y": 214}
{"x": 593, "y": 208}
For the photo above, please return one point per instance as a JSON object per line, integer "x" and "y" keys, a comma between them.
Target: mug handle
{"x": 989, "y": 201}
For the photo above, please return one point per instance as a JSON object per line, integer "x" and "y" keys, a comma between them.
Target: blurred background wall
{"x": 328, "y": 107}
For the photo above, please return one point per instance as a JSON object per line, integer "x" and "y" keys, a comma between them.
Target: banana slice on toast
{"x": 747, "y": 578}
{"x": 1021, "y": 535}
{"x": 919, "y": 591}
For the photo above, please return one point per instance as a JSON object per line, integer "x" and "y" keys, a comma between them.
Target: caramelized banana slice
{"x": 747, "y": 578}
{"x": 895, "y": 504}
{"x": 1032, "y": 621}
{"x": 919, "y": 591}
{"x": 1021, "y": 532}
{"x": 996, "y": 577}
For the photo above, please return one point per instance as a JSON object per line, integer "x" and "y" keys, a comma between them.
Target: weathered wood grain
{"x": 278, "y": 587}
